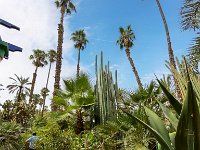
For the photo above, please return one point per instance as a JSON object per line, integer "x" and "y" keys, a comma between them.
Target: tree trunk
{"x": 133, "y": 67}
{"x": 44, "y": 98}
{"x": 79, "y": 122}
{"x": 19, "y": 94}
{"x": 33, "y": 85}
{"x": 170, "y": 50}
{"x": 54, "y": 107}
{"x": 78, "y": 65}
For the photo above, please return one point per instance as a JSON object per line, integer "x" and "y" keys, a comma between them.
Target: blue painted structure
{"x": 11, "y": 47}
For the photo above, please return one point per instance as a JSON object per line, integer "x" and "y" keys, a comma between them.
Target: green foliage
{"x": 126, "y": 37}
{"x": 106, "y": 94}
{"x": 69, "y": 6}
{"x": 80, "y": 40}
{"x": 10, "y": 138}
{"x": 39, "y": 58}
{"x": 190, "y": 13}
{"x": 194, "y": 53}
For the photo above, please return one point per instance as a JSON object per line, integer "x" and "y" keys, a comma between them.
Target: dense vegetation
{"x": 162, "y": 115}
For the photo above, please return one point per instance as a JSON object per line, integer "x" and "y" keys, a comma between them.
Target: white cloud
{"x": 38, "y": 21}
{"x": 147, "y": 78}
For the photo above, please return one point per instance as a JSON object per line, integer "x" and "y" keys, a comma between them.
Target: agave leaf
{"x": 160, "y": 137}
{"x": 170, "y": 116}
{"x": 188, "y": 130}
{"x": 172, "y": 138}
{"x": 157, "y": 124}
{"x": 174, "y": 102}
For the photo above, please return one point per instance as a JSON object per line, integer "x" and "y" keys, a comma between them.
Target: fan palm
{"x": 77, "y": 95}
{"x": 126, "y": 41}
{"x": 65, "y": 6}
{"x": 51, "y": 58}
{"x": 80, "y": 41}
{"x": 39, "y": 60}
{"x": 19, "y": 86}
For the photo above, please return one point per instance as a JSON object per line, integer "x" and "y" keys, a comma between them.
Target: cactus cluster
{"x": 106, "y": 92}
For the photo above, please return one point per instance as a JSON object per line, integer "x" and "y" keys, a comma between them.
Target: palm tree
{"x": 20, "y": 86}
{"x": 51, "y": 58}
{"x": 190, "y": 13}
{"x": 77, "y": 95}
{"x": 194, "y": 54}
{"x": 126, "y": 40}
{"x": 80, "y": 41}
{"x": 39, "y": 60}
{"x": 65, "y": 6}
{"x": 170, "y": 50}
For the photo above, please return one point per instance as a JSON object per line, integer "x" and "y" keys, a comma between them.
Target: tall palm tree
{"x": 39, "y": 60}
{"x": 170, "y": 50}
{"x": 80, "y": 41}
{"x": 78, "y": 94}
{"x": 20, "y": 85}
{"x": 51, "y": 58}
{"x": 65, "y": 6}
{"x": 126, "y": 41}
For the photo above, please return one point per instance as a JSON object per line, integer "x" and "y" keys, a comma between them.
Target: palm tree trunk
{"x": 79, "y": 122}
{"x": 19, "y": 94}
{"x": 33, "y": 85}
{"x": 134, "y": 68}
{"x": 59, "y": 55}
{"x": 44, "y": 98}
{"x": 78, "y": 65}
{"x": 170, "y": 50}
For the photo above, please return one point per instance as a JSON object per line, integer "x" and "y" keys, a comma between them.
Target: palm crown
{"x": 52, "y": 55}
{"x": 19, "y": 83}
{"x": 68, "y": 5}
{"x": 39, "y": 58}
{"x": 79, "y": 37}
{"x": 126, "y": 37}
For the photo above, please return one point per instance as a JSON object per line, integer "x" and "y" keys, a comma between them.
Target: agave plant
{"x": 186, "y": 134}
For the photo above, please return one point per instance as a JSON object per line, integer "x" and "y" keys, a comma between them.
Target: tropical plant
{"x": 170, "y": 50}
{"x": 77, "y": 95}
{"x": 19, "y": 86}
{"x": 194, "y": 53}
{"x": 126, "y": 40}
{"x": 106, "y": 94}
{"x": 80, "y": 41}
{"x": 186, "y": 130}
{"x": 9, "y": 136}
{"x": 7, "y": 112}
{"x": 39, "y": 60}
{"x": 190, "y": 13}
{"x": 66, "y": 7}
{"x": 44, "y": 92}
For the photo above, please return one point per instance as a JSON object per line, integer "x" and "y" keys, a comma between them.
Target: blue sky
{"x": 102, "y": 19}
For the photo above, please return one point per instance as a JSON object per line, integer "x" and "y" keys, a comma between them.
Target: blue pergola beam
{"x": 14, "y": 48}
{"x": 8, "y": 25}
